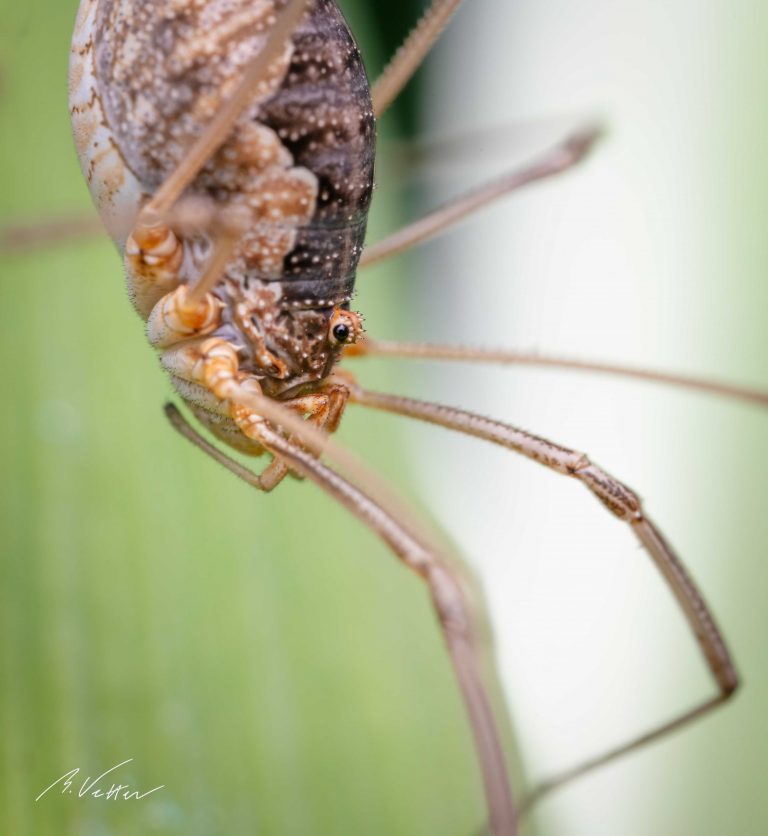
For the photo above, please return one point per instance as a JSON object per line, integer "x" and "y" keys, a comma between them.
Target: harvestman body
{"x": 229, "y": 147}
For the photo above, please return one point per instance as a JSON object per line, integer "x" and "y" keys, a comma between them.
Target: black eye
{"x": 341, "y": 332}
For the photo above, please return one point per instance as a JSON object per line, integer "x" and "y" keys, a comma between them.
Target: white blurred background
{"x": 652, "y": 254}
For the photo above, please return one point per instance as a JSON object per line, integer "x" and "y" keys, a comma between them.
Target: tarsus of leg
{"x": 427, "y": 351}
{"x": 412, "y": 53}
{"x": 623, "y": 503}
{"x": 182, "y": 426}
{"x": 563, "y": 156}
{"x": 220, "y": 126}
{"x": 445, "y": 591}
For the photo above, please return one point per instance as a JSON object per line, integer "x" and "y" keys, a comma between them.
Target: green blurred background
{"x": 262, "y": 656}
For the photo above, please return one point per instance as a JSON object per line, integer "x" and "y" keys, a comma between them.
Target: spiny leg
{"x": 445, "y": 590}
{"x": 323, "y": 410}
{"x": 409, "y": 159}
{"x": 412, "y": 53}
{"x": 469, "y": 354}
{"x": 211, "y": 366}
{"x": 206, "y": 372}
{"x": 562, "y": 157}
{"x": 623, "y": 503}
{"x": 220, "y": 126}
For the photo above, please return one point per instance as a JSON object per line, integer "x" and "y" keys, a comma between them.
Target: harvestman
{"x": 256, "y": 203}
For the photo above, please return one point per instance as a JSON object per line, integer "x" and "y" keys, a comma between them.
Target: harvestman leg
{"x": 620, "y": 501}
{"x": 159, "y": 214}
{"x": 212, "y": 364}
{"x": 557, "y": 160}
{"x": 222, "y": 123}
{"x": 412, "y": 53}
{"x": 444, "y": 588}
{"x": 385, "y": 90}
{"x": 469, "y": 354}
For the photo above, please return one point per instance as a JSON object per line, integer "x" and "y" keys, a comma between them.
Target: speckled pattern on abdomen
{"x": 169, "y": 69}
{"x": 324, "y": 116}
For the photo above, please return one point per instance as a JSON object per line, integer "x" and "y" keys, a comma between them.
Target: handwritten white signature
{"x": 91, "y": 786}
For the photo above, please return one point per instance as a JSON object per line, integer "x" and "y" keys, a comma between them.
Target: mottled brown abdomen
{"x": 299, "y": 160}
{"x": 323, "y": 114}
{"x": 170, "y": 64}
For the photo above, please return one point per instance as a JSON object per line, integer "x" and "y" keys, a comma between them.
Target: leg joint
{"x": 620, "y": 500}
{"x": 448, "y": 600}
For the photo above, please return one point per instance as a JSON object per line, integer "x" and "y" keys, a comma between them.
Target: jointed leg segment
{"x": 179, "y": 325}
{"x": 505, "y": 357}
{"x": 559, "y": 159}
{"x": 219, "y": 128}
{"x": 213, "y": 365}
{"x": 623, "y": 503}
{"x": 412, "y": 53}
{"x": 447, "y": 597}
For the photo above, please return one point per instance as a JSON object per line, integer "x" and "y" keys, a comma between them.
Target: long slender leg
{"x": 412, "y": 53}
{"x": 555, "y": 161}
{"x": 154, "y": 254}
{"x": 191, "y": 434}
{"x": 219, "y": 128}
{"x": 623, "y": 503}
{"x": 423, "y": 156}
{"x": 32, "y": 234}
{"x": 445, "y": 591}
{"x": 404, "y": 159}
{"x": 466, "y": 354}
{"x": 212, "y": 366}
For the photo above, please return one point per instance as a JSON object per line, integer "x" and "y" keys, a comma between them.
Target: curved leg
{"x": 412, "y": 53}
{"x": 623, "y": 503}
{"x": 323, "y": 410}
{"x": 445, "y": 590}
{"x": 555, "y": 161}
{"x": 466, "y": 354}
{"x": 191, "y": 434}
{"x": 212, "y": 364}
